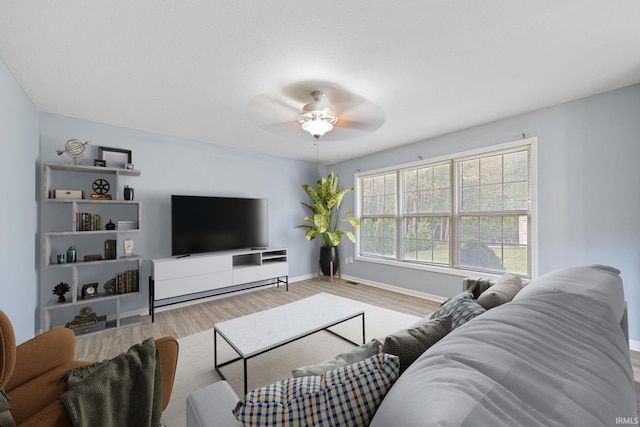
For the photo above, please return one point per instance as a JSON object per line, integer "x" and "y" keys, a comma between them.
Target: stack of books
{"x": 86, "y": 221}
{"x": 127, "y": 282}
{"x": 83, "y": 325}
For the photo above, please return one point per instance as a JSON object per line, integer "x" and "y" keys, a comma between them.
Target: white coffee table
{"x": 257, "y": 333}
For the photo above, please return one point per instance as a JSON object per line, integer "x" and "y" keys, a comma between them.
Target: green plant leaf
{"x": 349, "y": 235}
{"x": 326, "y": 199}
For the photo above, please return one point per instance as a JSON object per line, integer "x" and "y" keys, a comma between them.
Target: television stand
{"x": 182, "y": 279}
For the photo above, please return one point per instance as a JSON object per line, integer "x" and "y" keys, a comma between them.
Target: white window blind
{"x": 379, "y": 210}
{"x": 494, "y": 212}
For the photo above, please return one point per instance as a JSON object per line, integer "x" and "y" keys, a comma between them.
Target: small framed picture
{"x": 128, "y": 247}
{"x": 114, "y": 157}
{"x": 101, "y": 163}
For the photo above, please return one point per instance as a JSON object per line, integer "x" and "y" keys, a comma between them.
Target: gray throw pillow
{"x": 409, "y": 344}
{"x": 501, "y": 292}
{"x": 358, "y": 354}
{"x": 462, "y": 307}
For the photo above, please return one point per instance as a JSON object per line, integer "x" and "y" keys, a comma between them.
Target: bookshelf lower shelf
{"x": 115, "y": 321}
{"x": 123, "y": 322}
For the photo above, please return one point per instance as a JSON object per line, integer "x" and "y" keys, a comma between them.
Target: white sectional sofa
{"x": 556, "y": 355}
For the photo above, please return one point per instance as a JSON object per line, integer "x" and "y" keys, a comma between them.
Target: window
{"x": 425, "y": 213}
{"x": 379, "y": 211}
{"x": 465, "y": 212}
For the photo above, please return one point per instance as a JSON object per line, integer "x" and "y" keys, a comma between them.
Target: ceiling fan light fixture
{"x": 317, "y": 118}
{"x": 318, "y": 125}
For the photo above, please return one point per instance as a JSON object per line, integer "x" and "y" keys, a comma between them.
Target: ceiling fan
{"x": 318, "y": 108}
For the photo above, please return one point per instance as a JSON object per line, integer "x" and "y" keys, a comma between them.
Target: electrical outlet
{"x": 350, "y": 260}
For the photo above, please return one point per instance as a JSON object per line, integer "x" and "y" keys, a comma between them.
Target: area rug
{"x": 195, "y": 363}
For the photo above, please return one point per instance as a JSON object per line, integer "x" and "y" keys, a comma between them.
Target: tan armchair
{"x": 31, "y": 373}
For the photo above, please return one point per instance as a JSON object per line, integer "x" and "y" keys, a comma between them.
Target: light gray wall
{"x": 19, "y": 136}
{"x": 177, "y": 166}
{"x": 588, "y": 195}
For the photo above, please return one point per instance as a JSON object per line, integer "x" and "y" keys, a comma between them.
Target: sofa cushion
{"x": 501, "y": 292}
{"x": 358, "y": 354}
{"x": 346, "y": 396}
{"x": 409, "y": 344}
{"x": 462, "y": 307}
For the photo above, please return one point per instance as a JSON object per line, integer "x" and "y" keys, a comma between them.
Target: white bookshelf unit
{"x": 60, "y": 229}
{"x": 187, "y": 278}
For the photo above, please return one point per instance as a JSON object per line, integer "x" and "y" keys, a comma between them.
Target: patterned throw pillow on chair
{"x": 347, "y": 396}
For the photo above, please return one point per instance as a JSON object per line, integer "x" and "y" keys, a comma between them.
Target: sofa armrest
{"x": 167, "y": 348}
{"x": 42, "y": 353}
{"x": 211, "y": 406}
{"x": 54, "y": 415}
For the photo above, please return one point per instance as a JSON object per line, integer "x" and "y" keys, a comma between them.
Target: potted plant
{"x": 60, "y": 289}
{"x": 326, "y": 218}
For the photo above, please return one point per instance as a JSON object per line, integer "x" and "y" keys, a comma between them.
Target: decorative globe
{"x": 74, "y": 149}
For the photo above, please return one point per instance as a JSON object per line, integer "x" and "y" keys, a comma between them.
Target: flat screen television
{"x": 201, "y": 224}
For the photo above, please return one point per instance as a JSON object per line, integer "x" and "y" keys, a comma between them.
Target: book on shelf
{"x": 110, "y": 251}
{"x": 127, "y": 282}
{"x": 92, "y": 324}
{"x": 87, "y": 221}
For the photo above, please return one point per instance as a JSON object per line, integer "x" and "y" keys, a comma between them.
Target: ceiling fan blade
{"x": 267, "y": 110}
{"x": 353, "y": 124}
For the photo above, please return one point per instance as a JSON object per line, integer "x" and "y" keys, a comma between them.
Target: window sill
{"x": 431, "y": 268}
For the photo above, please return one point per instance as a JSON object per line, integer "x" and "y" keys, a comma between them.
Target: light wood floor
{"x": 185, "y": 321}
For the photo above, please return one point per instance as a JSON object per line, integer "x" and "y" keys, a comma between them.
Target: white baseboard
{"x": 634, "y": 345}
{"x": 397, "y": 289}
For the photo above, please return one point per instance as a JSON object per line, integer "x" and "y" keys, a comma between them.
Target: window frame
{"x": 452, "y": 268}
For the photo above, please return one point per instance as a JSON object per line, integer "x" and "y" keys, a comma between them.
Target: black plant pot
{"x": 328, "y": 254}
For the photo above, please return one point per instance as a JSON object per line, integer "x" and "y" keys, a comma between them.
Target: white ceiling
{"x": 194, "y": 69}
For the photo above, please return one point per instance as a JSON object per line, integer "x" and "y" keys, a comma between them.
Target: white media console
{"x": 181, "y": 277}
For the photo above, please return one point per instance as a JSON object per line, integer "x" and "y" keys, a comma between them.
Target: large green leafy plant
{"x": 325, "y": 216}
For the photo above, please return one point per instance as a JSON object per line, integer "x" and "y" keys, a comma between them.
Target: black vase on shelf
{"x": 128, "y": 192}
{"x": 329, "y": 254}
